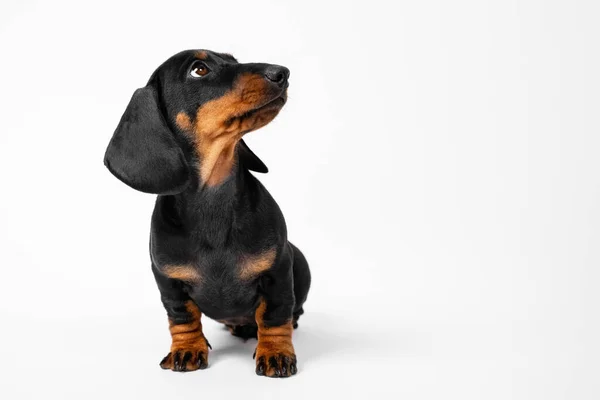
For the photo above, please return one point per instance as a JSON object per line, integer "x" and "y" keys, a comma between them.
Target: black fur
{"x": 143, "y": 152}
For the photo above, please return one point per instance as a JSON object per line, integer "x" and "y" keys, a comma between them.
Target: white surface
{"x": 437, "y": 162}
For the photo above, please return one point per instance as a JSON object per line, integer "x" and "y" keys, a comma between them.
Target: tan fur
{"x": 183, "y": 272}
{"x": 219, "y": 124}
{"x": 183, "y": 122}
{"x": 201, "y": 55}
{"x": 253, "y": 265}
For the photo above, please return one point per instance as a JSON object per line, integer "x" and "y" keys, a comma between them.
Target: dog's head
{"x": 194, "y": 111}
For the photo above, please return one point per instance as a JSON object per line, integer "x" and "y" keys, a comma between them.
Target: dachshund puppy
{"x": 218, "y": 240}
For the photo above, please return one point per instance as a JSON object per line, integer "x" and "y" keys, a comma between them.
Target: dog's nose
{"x": 277, "y": 74}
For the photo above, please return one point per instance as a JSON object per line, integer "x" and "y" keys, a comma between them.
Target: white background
{"x": 437, "y": 162}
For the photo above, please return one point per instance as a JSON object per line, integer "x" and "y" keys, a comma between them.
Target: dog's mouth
{"x": 259, "y": 116}
{"x": 273, "y": 105}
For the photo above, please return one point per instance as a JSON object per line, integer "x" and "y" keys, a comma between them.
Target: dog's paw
{"x": 187, "y": 358}
{"x": 274, "y": 363}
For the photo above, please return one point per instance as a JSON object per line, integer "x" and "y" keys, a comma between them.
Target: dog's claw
{"x": 260, "y": 367}
{"x": 177, "y": 361}
{"x": 285, "y": 363}
{"x": 186, "y": 357}
{"x": 274, "y": 366}
{"x": 164, "y": 361}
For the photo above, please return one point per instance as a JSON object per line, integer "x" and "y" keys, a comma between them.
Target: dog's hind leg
{"x": 249, "y": 331}
{"x": 242, "y": 327}
{"x": 301, "y": 282}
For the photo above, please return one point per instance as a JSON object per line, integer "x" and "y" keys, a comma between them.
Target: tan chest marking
{"x": 185, "y": 273}
{"x": 253, "y": 265}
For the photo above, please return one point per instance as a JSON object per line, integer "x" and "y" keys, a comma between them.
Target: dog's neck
{"x": 219, "y": 173}
{"x": 217, "y": 161}
{"x": 221, "y": 190}
{"x": 220, "y": 206}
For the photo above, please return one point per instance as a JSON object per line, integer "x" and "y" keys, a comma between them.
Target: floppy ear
{"x": 249, "y": 159}
{"x": 143, "y": 152}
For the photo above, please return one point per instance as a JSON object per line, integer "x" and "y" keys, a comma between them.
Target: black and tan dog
{"x": 218, "y": 240}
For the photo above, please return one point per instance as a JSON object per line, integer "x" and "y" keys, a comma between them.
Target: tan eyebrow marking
{"x": 201, "y": 55}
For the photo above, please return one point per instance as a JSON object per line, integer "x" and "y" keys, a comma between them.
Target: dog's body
{"x": 221, "y": 242}
{"x": 218, "y": 239}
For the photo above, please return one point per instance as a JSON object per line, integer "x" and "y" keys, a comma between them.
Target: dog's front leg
{"x": 189, "y": 347}
{"x": 275, "y": 356}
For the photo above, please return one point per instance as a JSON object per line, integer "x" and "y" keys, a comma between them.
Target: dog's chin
{"x": 258, "y": 116}
{"x": 275, "y": 104}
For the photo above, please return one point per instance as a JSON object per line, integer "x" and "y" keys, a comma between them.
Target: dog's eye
{"x": 199, "y": 70}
